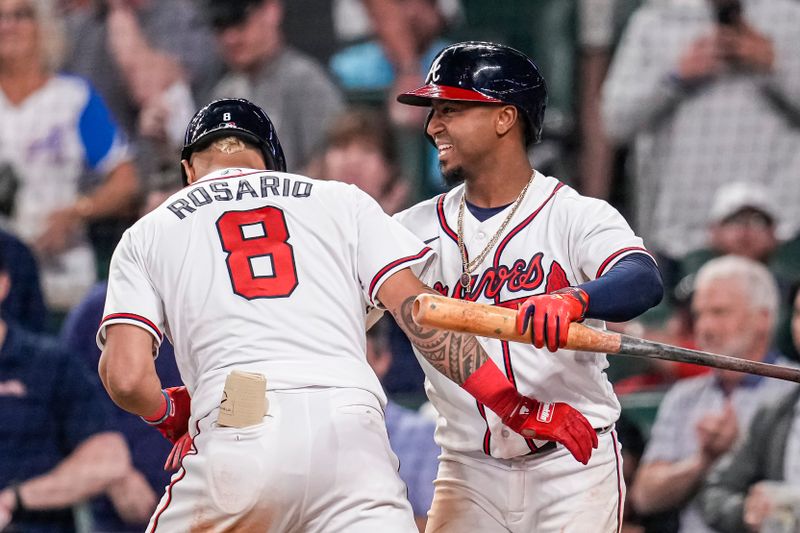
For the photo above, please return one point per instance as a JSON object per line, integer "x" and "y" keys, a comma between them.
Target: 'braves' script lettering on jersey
{"x": 520, "y": 276}
{"x": 227, "y": 190}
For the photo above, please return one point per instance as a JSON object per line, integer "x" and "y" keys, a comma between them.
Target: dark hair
{"x": 366, "y": 125}
{"x": 225, "y": 14}
{"x": 369, "y": 126}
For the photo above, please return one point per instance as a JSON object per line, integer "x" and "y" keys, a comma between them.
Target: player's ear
{"x": 507, "y": 116}
{"x": 187, "y": 167}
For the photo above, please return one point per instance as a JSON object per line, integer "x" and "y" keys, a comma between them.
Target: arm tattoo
{"x": 456, "y": 355}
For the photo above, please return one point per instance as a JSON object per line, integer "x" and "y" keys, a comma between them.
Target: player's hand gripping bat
{"x": 500, "y": 323}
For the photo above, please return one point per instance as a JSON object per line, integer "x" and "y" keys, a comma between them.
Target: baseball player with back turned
{"x": 508, "y": 235}
{"x": 261, "y": 280}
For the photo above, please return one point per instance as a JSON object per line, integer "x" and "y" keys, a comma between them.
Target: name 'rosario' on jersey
{"x": 205, "y": 193}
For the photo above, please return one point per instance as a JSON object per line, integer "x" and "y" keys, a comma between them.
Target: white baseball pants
{"x": 319, "y": 463}
{"x": 550, "y": 493}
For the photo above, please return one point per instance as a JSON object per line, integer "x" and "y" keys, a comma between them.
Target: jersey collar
{"x": 233, "y": 172}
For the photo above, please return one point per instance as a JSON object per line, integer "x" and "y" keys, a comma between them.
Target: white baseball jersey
{"x": 262, "y": 271}
{"x": 557, "y": 238}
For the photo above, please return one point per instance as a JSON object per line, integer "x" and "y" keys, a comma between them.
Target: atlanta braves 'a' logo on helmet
{"x": 433, "y": 73}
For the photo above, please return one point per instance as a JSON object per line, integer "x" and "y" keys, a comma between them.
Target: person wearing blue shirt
{"x": 367, "y": 67}
{"x": 57, "y": 448}
{"x": 128, "y": 504}
{"x": 24, "y": 303}
{"x": 410, "y": 433}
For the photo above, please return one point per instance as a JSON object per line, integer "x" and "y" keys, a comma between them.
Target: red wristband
{"x": 491, "y": 387}
{"x": 161, "y": 413}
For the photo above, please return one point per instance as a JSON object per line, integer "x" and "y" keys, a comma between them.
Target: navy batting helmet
{"x": 477, "y": 71}
{"x": 233, "y": 117}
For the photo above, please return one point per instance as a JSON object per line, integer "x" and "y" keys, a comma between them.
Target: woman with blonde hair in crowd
{"x": 63, "y": 161}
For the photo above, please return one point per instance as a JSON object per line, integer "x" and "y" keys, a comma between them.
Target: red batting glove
{"x": 178, "y": 452}
{"x": 172, "y": 418}
{"x": 552, "y": 314}
{"x": 531, "y": 418}
{"x": 554, "y": 421}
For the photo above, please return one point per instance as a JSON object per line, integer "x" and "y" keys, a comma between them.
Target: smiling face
{"x": 464, "y": 132}
{"x": 19, "y": 35}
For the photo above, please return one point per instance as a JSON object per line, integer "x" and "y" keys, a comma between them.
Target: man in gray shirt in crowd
{"x": 706, "y": 91}
{"x": 700, "y": 419}
{"x": 293, "y": 89}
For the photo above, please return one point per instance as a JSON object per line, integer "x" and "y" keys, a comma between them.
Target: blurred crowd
{"x": 684, "y": 114}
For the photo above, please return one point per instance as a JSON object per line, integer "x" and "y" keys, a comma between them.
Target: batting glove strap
{"x": 519, "y": 416}
{"x": 579, "y": 295}
{"x": 169, "y": 411}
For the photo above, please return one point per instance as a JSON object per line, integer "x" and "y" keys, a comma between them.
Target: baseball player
{"x": 508, "y": 235}
{"x": 261, "y": 280}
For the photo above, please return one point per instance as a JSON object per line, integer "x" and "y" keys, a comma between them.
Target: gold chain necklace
{"x": 469, "y": 266}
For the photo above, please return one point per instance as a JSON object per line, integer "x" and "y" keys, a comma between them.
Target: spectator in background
{"x": 410, "y": 433}
{"x": 57, "y": 446}
{"x": 735, "y": 305}
{"x": 367, "y": 65}
{"x": 292, "y": 88}
{"x": 596, "y": 39}
{"x": 706, "y": 94}
{"x": 401, "y": 27}
{"x": 55, "y": 129}
{"x": 24, "y": 304}
{"x": 742, "y": 221}
{"x": 740, "y": 492}
{"x": 147, "y": 58}
{"x": 127, "y": 504}
{"x": 359, "y": 148}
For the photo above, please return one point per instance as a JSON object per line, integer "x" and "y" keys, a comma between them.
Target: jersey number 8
{"x": 260, "y": 260}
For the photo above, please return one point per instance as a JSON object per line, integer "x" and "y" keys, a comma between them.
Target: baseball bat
{"x": 500, "y": 323}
